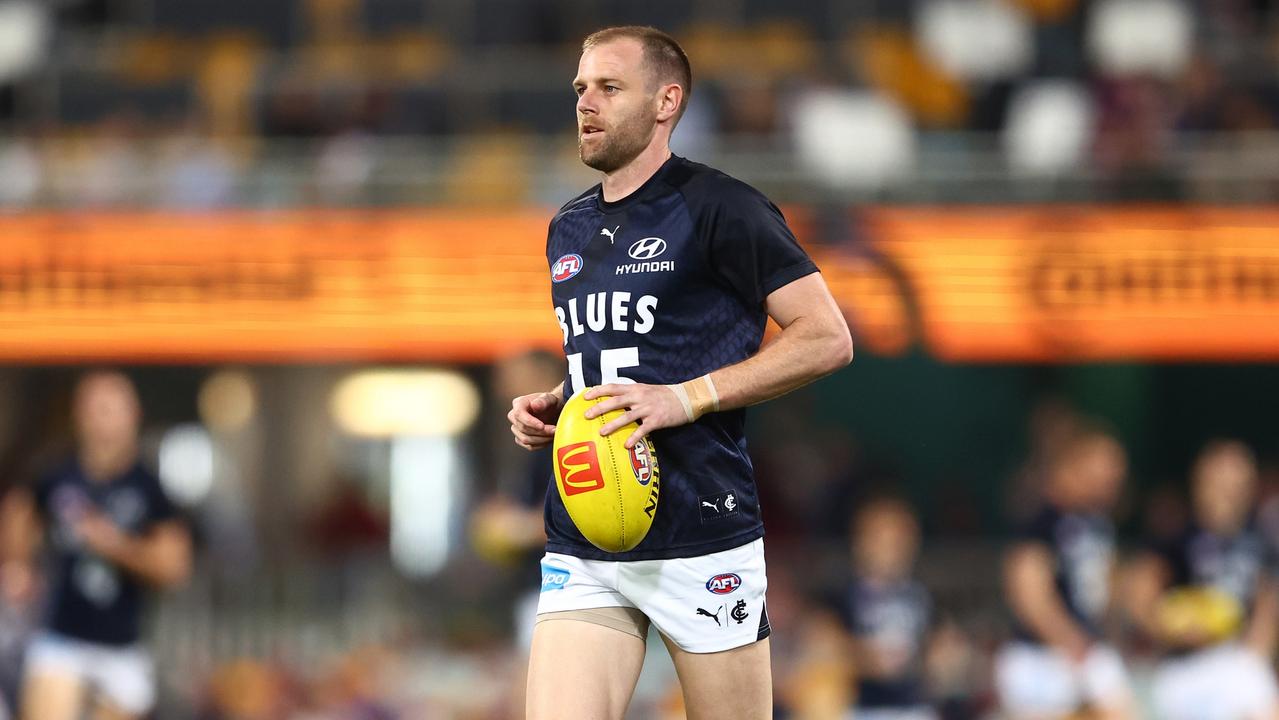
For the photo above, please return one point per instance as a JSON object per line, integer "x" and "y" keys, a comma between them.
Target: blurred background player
{"x": 888, "y": 614}
{"x": 508, "y": 527}
{"x": 111, "y": 534}
{"x": 1057, "y": 576}
{"x": 1209, "y": 597}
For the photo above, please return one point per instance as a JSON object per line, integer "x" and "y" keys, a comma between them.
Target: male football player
{"x": 663, "y": 277}
{"x": 1217, "y": 664}
{"x": 113, "y": 535}
{"x": 1057, "y": 576}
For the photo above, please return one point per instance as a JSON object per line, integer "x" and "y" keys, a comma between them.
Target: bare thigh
{"x": 104, "y": 710}
{"x": 581, "y": 671}
{"x": 734, "y": 684}
{"x": 51, "y": 696}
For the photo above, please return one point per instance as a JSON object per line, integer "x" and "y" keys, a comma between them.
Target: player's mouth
{"x": 589, "y": 130}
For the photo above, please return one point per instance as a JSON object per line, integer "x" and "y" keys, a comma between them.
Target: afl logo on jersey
{"x": 647, "y": 249}
{"x": 566, "y": 267}
{"x": 724, "y": 583}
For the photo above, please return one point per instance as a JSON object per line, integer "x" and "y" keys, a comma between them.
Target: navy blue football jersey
{"x": 90, "y": 599}
{"x": 893, "y": 620}
{"x": 1083, "y": 550}
{"x": 1233, "y": 564}
{"x": 661, "y": 287}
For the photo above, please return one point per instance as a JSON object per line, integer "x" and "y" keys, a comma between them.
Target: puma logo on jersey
{"x": 610, "y": 234}
{"x": 714, "y": 506}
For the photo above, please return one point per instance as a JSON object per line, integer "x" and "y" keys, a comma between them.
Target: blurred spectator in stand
{"x": 196, "y": 172}
{"x": 108, "y": 170}
{"x": 1210, "y": 597}
{"x": 113, "y": 535}
{"x": 22, "y": 167}
{"x": 1057, "y": 576}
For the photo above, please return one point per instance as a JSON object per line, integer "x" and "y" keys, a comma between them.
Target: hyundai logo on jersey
{"x": 566, "y": 267}
{"x": 553, "y": 578}
{"x": 647, "y": 249}
{"x": 724, "y": 583}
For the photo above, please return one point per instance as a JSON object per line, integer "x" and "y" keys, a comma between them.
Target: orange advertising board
{"x": 988, "y": 284}
{"x": 1087, "y": 284}
{"x": 277, "y": 287}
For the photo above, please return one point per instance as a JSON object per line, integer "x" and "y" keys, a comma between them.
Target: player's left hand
{"x": 652, "y": 406}
{"x": 100, "y": 534}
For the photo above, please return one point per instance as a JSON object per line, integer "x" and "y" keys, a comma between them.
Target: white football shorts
{"x": 1035, "y": 680}
{"x": 1223, "y": 682}
{"x": 703, "y": 604}
{"x": 124, "y": 676}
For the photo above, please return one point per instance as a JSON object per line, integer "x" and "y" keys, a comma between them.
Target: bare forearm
{"x": 162, "y": 562}
{"x": 803, "y": 352}
{"x": 1264, "y": 625}
{"x": 1050, "y": 621}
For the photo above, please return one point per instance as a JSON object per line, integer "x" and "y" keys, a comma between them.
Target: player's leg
{"x": 125, "y": 681}
{"x": 582, "y": 670}
{"x": 51, "y": 696}
{"x": 1034, "y": 683}
{"x": 1107, "y": 686}
{"x": 588, "y": 643}
{"x": 733, "y": 684}
{"x": 53, "y": 683}
{"x": 711, "y": 612}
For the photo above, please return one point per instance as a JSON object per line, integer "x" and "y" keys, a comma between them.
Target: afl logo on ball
{"x": 566, "y": 267}
{"x": 724, "y": 583}
{"x": 642, "y": 462}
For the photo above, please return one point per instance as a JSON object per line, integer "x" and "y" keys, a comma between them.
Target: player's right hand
{"x": 532, "y": 419}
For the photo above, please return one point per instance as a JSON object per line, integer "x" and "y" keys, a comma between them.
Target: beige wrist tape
{"x": 698, "y": 396}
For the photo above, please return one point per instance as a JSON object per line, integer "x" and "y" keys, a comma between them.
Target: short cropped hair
{"x": 663, "y": 56}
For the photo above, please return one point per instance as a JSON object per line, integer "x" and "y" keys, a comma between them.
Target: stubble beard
{"x": 622, "y": 144}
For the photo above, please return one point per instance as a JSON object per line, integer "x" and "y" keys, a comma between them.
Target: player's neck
{"x": 104, "y": 463}
{"x": 627, "y": 179}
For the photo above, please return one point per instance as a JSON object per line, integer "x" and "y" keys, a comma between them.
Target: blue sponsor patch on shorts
{"x": 553, "y": 578}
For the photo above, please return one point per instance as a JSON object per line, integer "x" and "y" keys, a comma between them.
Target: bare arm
{"x": 160, "y": 557}
{"x": 1260, "y": 635}
{"x": 814, "y": 342}
{"x": 19, "y": 540}
{"x": 1028, "y": 575}
{"x": 533, "y": 417}
{"x": 19, "y": 527}
{"x": 1146, "y": 583}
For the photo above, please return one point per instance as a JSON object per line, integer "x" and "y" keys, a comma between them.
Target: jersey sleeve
{"x": 160, "y": 507}
{"x": 749, "y": 246}
{"x": 41, "y": 489}
{"x": 1038, "y": 530}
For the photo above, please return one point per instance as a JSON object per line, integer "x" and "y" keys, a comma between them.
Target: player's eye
{"x": 611, "y": 89}
{"x": 578, "y": 90}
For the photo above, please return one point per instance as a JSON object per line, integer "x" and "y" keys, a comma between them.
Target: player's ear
{"x": 669, "y": 98}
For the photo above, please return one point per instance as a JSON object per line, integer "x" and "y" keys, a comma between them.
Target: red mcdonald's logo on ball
{"x": 579, "y": 468}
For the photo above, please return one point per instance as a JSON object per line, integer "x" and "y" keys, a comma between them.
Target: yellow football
{"x": 1202, "y": 611}
{"x": 610, "y": 492}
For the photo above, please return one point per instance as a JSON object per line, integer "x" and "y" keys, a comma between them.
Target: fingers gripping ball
{"x": 610, "y": 492}
{"x": 1204, "y": 611}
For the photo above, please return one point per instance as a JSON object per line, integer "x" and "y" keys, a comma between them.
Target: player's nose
{"x": 586, "y": 103}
